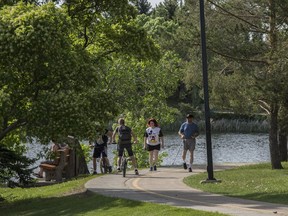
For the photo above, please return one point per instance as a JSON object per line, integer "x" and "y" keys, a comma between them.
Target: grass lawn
{"x": 255, "y": 182}
{"x": 70, "y": 198}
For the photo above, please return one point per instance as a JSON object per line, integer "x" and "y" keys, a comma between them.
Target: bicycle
{"x": 103, "y": 163}
{"x": 104, "y": 168}
{"x": 124, "y": 162}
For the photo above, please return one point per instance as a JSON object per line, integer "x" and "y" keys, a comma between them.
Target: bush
{"x": 86, "y": 151}
{"x": 14, "y": 168}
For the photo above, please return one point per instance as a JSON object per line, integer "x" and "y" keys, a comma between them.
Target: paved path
{"x": 166, "y": 186}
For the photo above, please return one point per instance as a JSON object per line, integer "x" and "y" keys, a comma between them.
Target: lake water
{"x": 226, "y": 148}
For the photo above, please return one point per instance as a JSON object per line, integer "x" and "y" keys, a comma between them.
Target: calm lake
{"x": 227, "y": 148}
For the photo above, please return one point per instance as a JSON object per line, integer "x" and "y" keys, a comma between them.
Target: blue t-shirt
{"x": 189, "y": 130}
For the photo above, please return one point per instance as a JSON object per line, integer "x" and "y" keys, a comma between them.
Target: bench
{"x": 55, "y": 172}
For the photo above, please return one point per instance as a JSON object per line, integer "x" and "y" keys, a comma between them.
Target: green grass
{"x": 69, "y": 199}
{"x": 255, "y": 182}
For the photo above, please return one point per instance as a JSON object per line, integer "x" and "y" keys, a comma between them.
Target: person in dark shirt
{"x": 100, "y": 149}
{"x": 125, "y": 135}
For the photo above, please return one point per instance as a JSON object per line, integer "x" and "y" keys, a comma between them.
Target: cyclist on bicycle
{"x": 124, "y": 142}
{"x": 100, "y": 149}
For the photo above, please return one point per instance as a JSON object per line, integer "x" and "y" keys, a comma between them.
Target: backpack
{"x": 124, "y": 134}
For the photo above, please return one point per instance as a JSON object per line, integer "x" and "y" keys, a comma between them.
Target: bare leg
{"x": 134, "y": 164}
{"x": 119, "y": 162}
{"x": 94, "y": 164}
{"x": 191, "y": 157}
{"x": 184, "y": 155}
{"x": 151, "y": 158}
{"x": 155, "y": 156}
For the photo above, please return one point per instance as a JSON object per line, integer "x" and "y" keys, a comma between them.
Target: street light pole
{"x": 206, "y": 96}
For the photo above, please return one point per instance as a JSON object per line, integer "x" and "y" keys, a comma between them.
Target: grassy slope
{"x": 255, "y": 182}
{"x": 69, "y": 199}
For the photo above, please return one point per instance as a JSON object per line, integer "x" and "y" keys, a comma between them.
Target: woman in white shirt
{"x": 153, "y": 141}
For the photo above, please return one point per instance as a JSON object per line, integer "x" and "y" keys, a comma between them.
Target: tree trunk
{"x": 273, "y": 138}
{"x": 80, "y": 165}
{"x": 283, "y": 145}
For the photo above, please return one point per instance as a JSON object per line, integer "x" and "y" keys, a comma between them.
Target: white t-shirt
{"x": 153, "y": 135}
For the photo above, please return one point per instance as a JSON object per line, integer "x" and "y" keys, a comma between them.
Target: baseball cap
{"x": 189, "y": 116}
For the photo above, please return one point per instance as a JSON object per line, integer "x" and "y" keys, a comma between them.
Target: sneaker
{"x": 190, "y": 169}
{"x": 94, "y": 173}
{"x": 155, "y": 168}
{"x": 185, "y": 166}
{"x": 136, "y": 172}
{"x": 110, "y": 169}
{"x": 118, "y": 169}
{"x": 151, "y": 168}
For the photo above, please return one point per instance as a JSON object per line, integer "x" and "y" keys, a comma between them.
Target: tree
{"x": 143, "y": 6}
{"x": 167, "y": 9}
{"x": 54, "y": 83}
{"x": 38, "y": 62}
{"x": 14, "y": 168}
{"x": 246, "y": 52}
{"x": 51, "y": 65}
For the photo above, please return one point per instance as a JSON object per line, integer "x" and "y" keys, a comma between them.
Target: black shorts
{"x": 100, "y": 150}
{"x": 128, "y": 147}
{"x": 153, "y": 147}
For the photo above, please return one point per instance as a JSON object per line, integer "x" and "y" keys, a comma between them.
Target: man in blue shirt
{"x": 188, "y": 132}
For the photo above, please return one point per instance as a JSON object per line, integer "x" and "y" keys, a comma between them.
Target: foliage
{"x": 14, "y": 169}
{"x": 61, "y": 79}
{"x": 66, "y": 71}
{"x": 167, "y": 9}
{"x": 86, "y": 151}
{"x": 143, "y": 6}
{"x": 45, "y": 66}
{"x": 255, "y": 182}
{"x": 244, "y": 55}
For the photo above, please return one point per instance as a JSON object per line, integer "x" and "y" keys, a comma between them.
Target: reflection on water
{"x": 227, "y": 148}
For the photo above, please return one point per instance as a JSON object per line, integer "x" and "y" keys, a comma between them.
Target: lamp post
{"x": 206, "y": 97}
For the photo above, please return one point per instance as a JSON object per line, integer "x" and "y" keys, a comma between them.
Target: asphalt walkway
{"x": 166, "y": 186}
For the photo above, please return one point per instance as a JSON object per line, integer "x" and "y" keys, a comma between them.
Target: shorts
{"x": 128, "y": 147}
{"x": 189, "y": 144}
{"x": 153, "y": 147}
{"x": 100, "y": 150}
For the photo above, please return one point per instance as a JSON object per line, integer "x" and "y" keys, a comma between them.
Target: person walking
{"x": 125, "y": 135}
{"x": 188, "y": 133}
{"x": 153, "y": 141}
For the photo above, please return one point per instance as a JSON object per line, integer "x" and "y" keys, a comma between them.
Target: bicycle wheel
{"x": 102, "y": 165}
{"x": 124, "y": 167}
{"x": 105, "y": 167}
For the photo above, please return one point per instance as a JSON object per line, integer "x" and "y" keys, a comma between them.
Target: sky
{"x": 154, "y": 2}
